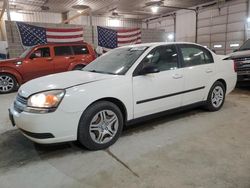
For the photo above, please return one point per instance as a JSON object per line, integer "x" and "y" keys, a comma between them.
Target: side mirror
{"x": 149, "y": 70}
{"x": 32, "y": 56}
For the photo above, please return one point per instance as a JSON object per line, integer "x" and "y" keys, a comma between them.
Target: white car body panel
{"x": 84, "y": 88}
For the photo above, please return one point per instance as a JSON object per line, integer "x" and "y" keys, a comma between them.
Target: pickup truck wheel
{"x": 8, "y": 83}
{"x": 216, "y": 97}
{"x": 78, "y": 67}
{"x": 100, "y": 125}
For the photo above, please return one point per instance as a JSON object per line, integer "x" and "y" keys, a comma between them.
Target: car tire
{"x": 78, "y": 67}
{"x": 216, "y": 97}
{"x": 100, "y": 125}
{"x": 8, "y": 83}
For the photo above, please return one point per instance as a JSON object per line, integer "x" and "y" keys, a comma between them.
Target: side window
{"x": 80, "y": 50}
{"x": 41, "y": 52}
{"x": 162, "y": 57}
{"x": 194, "y": 55}
{"x": 63, "y": 51}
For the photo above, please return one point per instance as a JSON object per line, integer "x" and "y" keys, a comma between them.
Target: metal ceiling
{"x": 125, "y": 8}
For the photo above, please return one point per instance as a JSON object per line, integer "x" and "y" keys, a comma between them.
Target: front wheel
{"x": 216, "y": 97}
{"x": 100, "y": 125}
{"x": 8, "y": 83}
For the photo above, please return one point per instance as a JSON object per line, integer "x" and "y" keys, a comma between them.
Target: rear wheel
{"x": 216, "y": 97}
{"x": 8, "y": 83}
{"x": 100, "y": 125}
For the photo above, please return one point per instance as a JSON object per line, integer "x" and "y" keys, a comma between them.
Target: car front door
{"x": 160, "y": 91}
{"x": 198, "y": 69}
{"x": 38, "y": 63}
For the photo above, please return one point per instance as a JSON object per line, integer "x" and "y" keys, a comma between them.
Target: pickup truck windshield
{"x": 25, "y": 53}
{"x": 117, "y": 61}
{"x": 245, "y": 46}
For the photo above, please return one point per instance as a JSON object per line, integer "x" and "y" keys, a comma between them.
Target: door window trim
{"x": 182, "y": 64}
{"x": 137, "y": 69}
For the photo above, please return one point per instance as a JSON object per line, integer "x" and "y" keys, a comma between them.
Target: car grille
{"x": 20, "y": 103}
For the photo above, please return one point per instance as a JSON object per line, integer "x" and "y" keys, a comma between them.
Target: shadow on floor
{"x": 16, "y": 150}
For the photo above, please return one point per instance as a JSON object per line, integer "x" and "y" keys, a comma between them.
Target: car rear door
{"x": 63, "y": 57}
{"x": 38, "y": 63}
{"x": 82, "y": 54}
{"x": 158, "y": 92}
{"x": 198, "y": 69}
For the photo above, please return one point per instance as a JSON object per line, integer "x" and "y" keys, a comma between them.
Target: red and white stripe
{"x": 64, "y": 35}
{"x": 128, "y": 36}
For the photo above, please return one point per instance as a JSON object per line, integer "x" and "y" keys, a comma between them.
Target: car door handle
{"x": 71, "y": 57}
{"x": 177, "y": 76}
{"x": 209, "y": 71}
{"x": 49, "y": 59}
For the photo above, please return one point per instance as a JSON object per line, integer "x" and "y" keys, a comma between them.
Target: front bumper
{"x": 243, "y": 77}
{"x": 55, "y": 127}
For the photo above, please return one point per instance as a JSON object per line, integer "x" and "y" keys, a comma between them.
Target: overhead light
{"x": 248, "y": 19}
{"x": 155, "y": 9}
{"x": 217, "y": 46}
{"x": 234, "y": 45}
{"x": 114, "y": 22}
{"x": 80, "y": 11}
{"x": 171, "y": 36}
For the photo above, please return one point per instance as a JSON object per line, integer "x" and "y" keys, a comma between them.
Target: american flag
{"x": 110, "y": 38}
{"x": 33, "y": 35}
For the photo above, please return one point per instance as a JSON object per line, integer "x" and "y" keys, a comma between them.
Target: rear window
{"x": 63, "y": 51}
{"x": 80, "y": 49}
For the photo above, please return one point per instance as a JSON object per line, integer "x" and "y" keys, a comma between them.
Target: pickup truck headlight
{"x": 45, "y": 102}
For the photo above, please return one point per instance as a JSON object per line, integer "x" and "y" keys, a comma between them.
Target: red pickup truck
{"x": 42, "y": 60}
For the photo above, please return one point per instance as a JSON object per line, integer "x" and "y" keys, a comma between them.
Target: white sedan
{"x": 125, "y": 85}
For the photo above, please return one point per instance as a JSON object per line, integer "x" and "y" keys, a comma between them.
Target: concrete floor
{"x": 190, "y": 149}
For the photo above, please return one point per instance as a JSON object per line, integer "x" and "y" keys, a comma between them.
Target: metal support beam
{"x": 196, "y": 24}
{"x": 8, "y": 10}
{"x": 91, "y": 25}
{"x": 174, "y": 17}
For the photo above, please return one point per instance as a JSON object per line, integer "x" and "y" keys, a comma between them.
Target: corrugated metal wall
{"x": 103, "y": 21}
{"x": 220, "y": 28}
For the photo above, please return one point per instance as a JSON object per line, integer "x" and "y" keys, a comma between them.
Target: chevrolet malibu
{"x": 123, "y": 86}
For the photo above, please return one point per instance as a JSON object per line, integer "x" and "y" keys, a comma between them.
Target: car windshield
{"x": 24, "y": 54}
{"x": 245, "y": 46}
{"x": 117, "y": 61}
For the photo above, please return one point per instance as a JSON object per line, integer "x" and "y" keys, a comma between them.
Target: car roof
{"x": 158, "y": 44}
{"x": 61, "y": 44}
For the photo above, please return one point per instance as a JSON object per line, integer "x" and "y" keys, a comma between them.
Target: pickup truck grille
{"x": 243, "y": 65}
{"x": 20, "y": 103}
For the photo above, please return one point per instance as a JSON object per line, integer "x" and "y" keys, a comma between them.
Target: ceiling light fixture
{"x": 155, "y": 9}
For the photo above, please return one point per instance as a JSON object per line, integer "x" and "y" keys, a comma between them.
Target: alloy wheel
{"x": 103, "y": 126}
{"x": 217, "y": 96}
{"x": 6, "y": 83}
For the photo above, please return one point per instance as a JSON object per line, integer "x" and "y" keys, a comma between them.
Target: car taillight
{"x": 235, "y": 66}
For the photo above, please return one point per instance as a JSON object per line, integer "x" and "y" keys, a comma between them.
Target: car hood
{"x": 239, "y": 54}
{"x": 61, "y": 81}
{"x": 7, "y": 61}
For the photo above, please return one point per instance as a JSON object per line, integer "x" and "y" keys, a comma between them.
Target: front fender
{"x": 13, "y": 72}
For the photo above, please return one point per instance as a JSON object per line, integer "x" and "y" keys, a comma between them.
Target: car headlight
{"x": 45, "y": 102}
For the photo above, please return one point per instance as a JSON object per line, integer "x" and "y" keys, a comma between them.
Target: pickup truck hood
{"x": 61, "y": 81}
{"x": 239, "y": 54}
